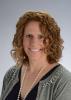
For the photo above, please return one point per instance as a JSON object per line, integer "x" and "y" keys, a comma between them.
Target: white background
{"x": 11, "y": 10}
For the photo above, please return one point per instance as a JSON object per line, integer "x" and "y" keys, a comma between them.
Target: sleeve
{"x": 6, "y": 79}
{"x": 64, "y": 92}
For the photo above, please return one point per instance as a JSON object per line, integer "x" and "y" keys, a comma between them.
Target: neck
{"x": 35, "y": 66}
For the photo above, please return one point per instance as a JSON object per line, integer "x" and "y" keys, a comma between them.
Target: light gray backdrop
{"x": 10, "y": 10}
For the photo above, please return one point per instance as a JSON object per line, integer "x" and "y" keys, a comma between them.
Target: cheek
{"x": 42, "y": 44}
{"x": 25, "y": 43}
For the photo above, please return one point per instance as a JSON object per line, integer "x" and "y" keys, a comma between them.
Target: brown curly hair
{"x": 49, "y": 29}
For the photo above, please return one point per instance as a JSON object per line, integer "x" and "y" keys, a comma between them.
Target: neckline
{"x": 43, "y": 78}
{"x": 45, "y": 75}
{"x": 50, "y": 72}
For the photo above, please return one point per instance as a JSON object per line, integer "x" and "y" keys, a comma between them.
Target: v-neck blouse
{"x": 33, "y": 93}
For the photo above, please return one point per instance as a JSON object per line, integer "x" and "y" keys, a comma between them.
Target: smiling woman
{"x": 46, "y": 27}
{"x": 33, "y": 42}
{"x": 37, "y": 49}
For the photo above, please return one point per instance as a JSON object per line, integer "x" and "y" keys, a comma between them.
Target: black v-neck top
{"x": 33, "y": 93}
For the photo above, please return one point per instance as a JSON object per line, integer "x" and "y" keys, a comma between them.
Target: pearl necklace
{"x": 37, "y": 77}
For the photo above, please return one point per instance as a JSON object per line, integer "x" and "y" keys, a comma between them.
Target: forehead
{"x": 33, "y": 26}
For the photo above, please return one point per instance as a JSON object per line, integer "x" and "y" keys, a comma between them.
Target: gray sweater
{"x": 56, "y": 86}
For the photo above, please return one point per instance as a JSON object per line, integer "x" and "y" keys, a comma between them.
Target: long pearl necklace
{"x": 37, "y": 77}
{"x": 18, "y": 98}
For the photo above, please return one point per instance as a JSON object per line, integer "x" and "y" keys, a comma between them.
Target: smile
{"x": 35, "y": 50}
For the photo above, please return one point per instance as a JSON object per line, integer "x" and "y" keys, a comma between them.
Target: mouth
{"x": 35, "y": 50}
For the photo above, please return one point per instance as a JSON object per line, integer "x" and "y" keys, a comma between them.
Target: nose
{"x": 35, "y": 43}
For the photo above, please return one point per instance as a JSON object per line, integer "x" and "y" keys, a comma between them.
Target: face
{"x": 33, "y": 41}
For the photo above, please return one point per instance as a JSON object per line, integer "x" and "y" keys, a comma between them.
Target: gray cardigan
{"x": 56, "y": 87}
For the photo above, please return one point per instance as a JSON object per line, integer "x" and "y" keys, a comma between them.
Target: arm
{"x": 65, "y": 94}
{"x": 63, "y": 90}
{"x": 6, "y": 80}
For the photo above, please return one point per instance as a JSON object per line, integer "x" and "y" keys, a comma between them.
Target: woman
{"x": 37, "y": 49}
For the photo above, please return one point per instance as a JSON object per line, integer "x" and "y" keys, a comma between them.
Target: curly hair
{"x": 49, "y": 29}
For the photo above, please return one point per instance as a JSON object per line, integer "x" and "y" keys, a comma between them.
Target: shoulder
{"x": 57, "y": 86}
{"x": 60, "y": 74}
{"x": 65, "y": 75}
{"x": 62, "y": 86}
{"x": 8, "y": 76}
{"x": 58, "y": 83}
{"x": 10, "y": 72}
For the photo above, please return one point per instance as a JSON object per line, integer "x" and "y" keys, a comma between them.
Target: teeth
{"x": 35, "y": 49}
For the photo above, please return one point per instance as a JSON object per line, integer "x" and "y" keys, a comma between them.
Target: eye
{"x": 28, "y": 36}
{"x": 41, "y": 37}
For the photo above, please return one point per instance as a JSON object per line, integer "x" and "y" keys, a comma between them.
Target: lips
{"x": 35, "y": 50}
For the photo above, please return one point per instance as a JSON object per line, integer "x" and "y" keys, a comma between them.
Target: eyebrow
{"x": 32, "y": 34}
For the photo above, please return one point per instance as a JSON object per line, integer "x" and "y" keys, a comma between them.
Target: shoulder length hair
{"x": 50, "y": 30}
